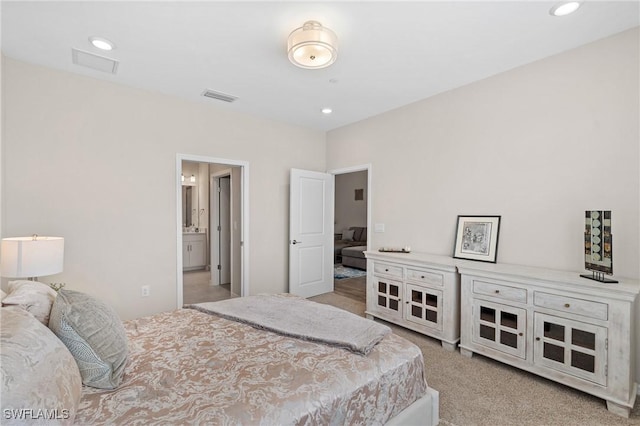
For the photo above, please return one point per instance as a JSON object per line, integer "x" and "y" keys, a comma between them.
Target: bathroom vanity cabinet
{"x": 194, "y": 250}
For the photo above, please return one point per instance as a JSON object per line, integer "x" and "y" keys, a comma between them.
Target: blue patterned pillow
{"x": 93, "y": 333}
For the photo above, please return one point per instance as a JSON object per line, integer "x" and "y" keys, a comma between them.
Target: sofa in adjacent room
{"x": 354, "y": 236}
{"x": 354, "y": 257}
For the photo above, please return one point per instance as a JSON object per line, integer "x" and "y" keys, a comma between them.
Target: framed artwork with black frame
{"x": 477, "y": 238}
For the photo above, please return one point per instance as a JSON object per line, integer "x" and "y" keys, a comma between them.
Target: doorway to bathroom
{"x": 212, "y": 233}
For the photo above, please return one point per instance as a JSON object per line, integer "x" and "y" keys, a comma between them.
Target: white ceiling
{"x": 390, "y": 53}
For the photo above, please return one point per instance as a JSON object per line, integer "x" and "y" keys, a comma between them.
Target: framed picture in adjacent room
{"x": 477, "y": 238}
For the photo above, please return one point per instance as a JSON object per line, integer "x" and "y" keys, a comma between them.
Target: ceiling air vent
{"x": 218, "y": 95}
{"x": 93, "y": 61}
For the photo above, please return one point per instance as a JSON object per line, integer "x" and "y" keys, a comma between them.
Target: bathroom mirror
{"x": 187, "y": 205}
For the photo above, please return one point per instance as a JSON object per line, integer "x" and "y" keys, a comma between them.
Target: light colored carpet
{"x": 481, "y": 391}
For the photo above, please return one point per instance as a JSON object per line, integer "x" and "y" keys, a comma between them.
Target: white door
{"x": 311, "y": 233}
{"x": 225, "y": 229}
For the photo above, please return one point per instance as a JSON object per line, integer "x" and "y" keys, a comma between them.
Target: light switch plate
{"x": 378, "y": 227}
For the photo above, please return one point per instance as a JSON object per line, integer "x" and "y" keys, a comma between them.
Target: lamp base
{"x": 598, "y": 276}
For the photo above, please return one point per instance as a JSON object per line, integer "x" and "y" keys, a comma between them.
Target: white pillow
{"x": 38, "y": 372}
{"x": 348, "y": 235}
{"x": 2, "y": 295}
{"x": 32, "y": 296}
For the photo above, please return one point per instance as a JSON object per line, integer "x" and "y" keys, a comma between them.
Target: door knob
{"x": 296, "y": 242}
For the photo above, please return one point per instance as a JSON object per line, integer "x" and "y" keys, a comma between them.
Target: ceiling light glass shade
{"x": 312, "y": 46}
{"x": 25, "y": 257}
{"x": 564, "y": 8}
{"x": 192, "y": 179}
{"x": 101, "y": 43}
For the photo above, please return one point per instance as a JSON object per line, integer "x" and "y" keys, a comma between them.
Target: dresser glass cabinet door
{"x": 423, "y": 306}
{"x": 388, "y": 297}
{"x": 500, "y": 327}
{"x": 572, "y": 347}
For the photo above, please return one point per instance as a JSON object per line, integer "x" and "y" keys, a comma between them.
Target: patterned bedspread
{"x": 188, "y": 367}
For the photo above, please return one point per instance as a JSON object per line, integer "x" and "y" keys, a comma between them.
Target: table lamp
{"x": 31, "y": 257}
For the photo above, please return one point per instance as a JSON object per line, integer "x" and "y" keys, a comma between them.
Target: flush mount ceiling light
{"x": 564, "y": 8}
{"x": 312, "y": 46}
{"x": 101, "y": 43}
{"x": 327, "y": 110}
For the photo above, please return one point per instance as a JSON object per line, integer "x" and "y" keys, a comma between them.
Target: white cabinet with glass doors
{"x": 555, "y": 324}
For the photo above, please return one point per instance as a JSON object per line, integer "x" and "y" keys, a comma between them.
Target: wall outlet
{"x": 145, "y": 290}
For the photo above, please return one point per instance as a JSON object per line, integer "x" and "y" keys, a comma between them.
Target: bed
{"x": 191, "y": 366}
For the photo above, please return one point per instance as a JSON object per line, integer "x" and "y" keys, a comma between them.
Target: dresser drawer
{"x": 422, "y": 276}
{"x": 585, "y": 308}
{"x": 500, "y": 291}
{"x": 387, "y": 269}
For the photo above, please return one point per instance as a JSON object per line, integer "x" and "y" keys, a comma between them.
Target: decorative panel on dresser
{"x": 417, "y": 291}
{"x": 555, "y": 324}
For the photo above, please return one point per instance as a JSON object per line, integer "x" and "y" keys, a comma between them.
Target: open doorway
{"x": 225, "y": 225}
{"x": 351, "y": 229}
{"x": 212, "y": 229}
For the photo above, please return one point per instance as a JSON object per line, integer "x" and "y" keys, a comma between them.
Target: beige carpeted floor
{"x": 480, "y": 391}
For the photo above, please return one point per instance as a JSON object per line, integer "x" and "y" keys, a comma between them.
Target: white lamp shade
{"x": 312, "y": 46}
{"x": 24, "y": 257}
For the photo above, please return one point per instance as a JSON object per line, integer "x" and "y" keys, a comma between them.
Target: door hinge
{"x": 606, "y": 370}
{"x": 219, "y": 267}
{"x": 606, "y": 343}
{"x": 219, "y": 228}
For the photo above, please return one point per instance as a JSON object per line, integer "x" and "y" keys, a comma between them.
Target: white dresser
{"x": 417, "y": 291}
{"x": 572, "y": 330}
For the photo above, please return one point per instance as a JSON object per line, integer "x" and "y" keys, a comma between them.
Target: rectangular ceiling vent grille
{"x": 219, "y": 96}
{"x": 93, "y": 61}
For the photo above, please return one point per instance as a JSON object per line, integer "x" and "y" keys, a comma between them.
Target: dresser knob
{"x": 422, "y": 277}
{"x": 386, "y": 270}
{"x": 566, "y": 305}
{"x": 497, "y": 291}
{"x": 519, "y": 334}
{"x": 538, "y": 339}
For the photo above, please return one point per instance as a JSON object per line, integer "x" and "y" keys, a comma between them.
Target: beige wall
{"x": 538, "y": 145}
{"x": 95, "y": 162}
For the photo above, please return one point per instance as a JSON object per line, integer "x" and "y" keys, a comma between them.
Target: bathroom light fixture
{"x": 312, "y": 46}
{"x": 31, "y": 257}
{"x": 327, "y": 110}
{"x": 192, "y": 179}
{"x": 564, "y": 8}
{"x": 102, "y": 43}
{"x": 182, "y": 178}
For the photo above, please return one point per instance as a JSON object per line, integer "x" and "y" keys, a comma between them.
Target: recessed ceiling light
{"x": 327, "y": 110}
{"x": 102, "y": 43}
{"x": 564, "y": 8}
